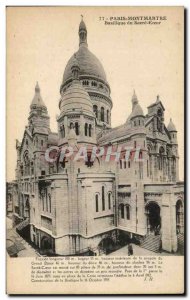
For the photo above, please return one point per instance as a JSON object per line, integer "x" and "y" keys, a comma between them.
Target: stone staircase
{"x": 151, "y": 243}
{"x": 19, "y": 227}
{"x": 180, "y": 242}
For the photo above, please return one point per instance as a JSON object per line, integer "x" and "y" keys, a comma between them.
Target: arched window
{"x": 128, "y": 212}
{"x": 88, "y": 161}
{"x": 71, "y": 125}
{"x": 125, "y": 164}
{"x": 49, "y": 200}
{"x": 95, "y": 109}
{"x": 96, "y": 200}
{"x": 159, "y": 112}
{"x": 32, "y": 168}
{"x": 139, "y": 122}
{"x": 93, "y": 83}
{"x": 122, "y": 211}
{"x": 103, "y": 198}
{"x": 134, "y": 123}
{"x": 120, "y": 162}
{"x": 108, "y": 116}
{"x": 46, "y": 201}
{"x": 77, "y": 128}
{"x": 102, "y": 114}
{"x": 160, "y": 158}
{"x": 86, "y": 129}
{"x": 42, "y": 143}
{"x": 26, "y": 164}
{"x": 135, "y": 144}
{"x": 42, "y": 194}
{"x": 140, "y": 155}
{"x": 90, "y": 130}
{"x": 179, "y": 217}
{"x": 21, "y": 170}
{"x": 147, "y": 168}
{"x": 85, "y": 82}
{"x": 62, "y": 131}
{"x": 109, "y": 201}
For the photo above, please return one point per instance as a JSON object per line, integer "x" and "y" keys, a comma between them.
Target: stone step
{"x": 180, "y": 242}
{"x": 151, "y": 243}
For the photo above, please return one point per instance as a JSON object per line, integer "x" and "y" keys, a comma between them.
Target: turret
{"x": 173, "y": 132}
{"x": 137, "y": 115}
{"x": 38, "y": 117}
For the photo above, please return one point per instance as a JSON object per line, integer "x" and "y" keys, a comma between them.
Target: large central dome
{"x": 88, "y": 62}
{"x": 92, "y": 78}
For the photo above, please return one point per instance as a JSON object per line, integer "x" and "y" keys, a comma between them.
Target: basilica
{"x": 74, "y": 207}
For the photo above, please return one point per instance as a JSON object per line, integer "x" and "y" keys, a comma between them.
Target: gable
{"x": 27, "y": 143}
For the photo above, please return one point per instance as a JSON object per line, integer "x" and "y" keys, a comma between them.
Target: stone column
{"x": 177, "y": 169}
{"x": 168, "y": 214}
{"x": 65, "y": 122}
{"x": 155, "y": 169}
{"x": 53, "y": 207}
{"x": 82, "y": 122}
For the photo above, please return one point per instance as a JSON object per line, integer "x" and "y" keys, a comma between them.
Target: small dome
{"x": 171, "y": 126}
{"x": 137, "y": 111}
{"x": 76, "y": 99}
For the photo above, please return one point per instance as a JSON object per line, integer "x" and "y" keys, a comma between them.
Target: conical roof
{"x": 134, "y": 98}
{"x": 171, "y": 126}
{"x": 37, "y": 100}
{"x": 137, "y": 111}
{"x": 136, "y": 108}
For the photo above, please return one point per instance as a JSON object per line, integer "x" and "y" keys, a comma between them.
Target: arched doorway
{"x": 46, "y": 246}
{"x": 153, "y": 218}
{"x": 179, "y": 217}
{"x": 106, "y": 245}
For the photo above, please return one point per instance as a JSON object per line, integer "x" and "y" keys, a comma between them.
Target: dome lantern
{"x": 37, "y": 88}
{"x": 82, "y": 33}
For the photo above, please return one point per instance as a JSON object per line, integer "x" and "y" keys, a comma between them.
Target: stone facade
{"x": 74, "y": 206}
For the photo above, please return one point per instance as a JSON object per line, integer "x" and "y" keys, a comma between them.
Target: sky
{"x": 147, "y": 58}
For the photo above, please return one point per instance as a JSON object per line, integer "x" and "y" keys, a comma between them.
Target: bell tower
{"x": 38, "y": 116}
